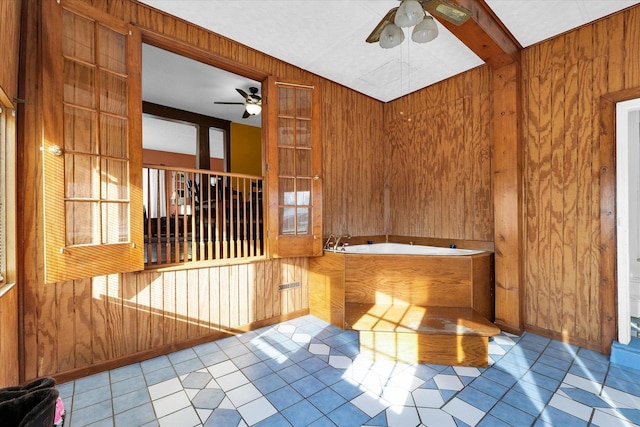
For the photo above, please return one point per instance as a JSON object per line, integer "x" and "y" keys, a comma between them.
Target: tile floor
{"x": 635, "y": 327}
{"x": 307, "y": 372}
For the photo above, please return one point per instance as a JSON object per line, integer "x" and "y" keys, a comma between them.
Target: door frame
{"x": 624, "y": 153}
{"x": 608, "y": 285}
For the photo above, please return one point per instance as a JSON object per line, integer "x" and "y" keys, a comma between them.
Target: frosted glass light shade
{"x": 425, "y": 31}
{"x": 409, "y": 13}
{"x": 253, "y": 109}
{"x": 391, "y": 36}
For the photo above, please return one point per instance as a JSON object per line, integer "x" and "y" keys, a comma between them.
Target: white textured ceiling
{"x": 533, "y": 21}
{"x": 327, "y": 37}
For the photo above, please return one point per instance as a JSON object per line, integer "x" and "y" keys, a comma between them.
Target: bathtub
{"x": 397, "y": 274}
{"x": 403, "y": 249}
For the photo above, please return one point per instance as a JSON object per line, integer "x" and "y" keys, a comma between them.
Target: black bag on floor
{"x": 30, "y": 408}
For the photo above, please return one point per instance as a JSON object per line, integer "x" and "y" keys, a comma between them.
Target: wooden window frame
{"x": 7, "y": 190}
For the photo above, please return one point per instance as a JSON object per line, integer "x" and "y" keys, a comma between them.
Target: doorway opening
{"x": 628, "y": 218}
{"x": 202, "y": 162}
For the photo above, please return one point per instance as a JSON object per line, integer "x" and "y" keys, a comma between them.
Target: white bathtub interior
{"x": 403, "y": 249}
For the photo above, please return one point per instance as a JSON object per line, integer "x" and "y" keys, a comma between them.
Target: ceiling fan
{"x": 252, "y": 102}
{"x": 412, "y": 12}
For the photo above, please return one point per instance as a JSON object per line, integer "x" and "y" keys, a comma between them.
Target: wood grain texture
{"x": 353, "y": 152}
{"x": 507, "y": 205}
{"x": 326, "y": 288}
{"x": 411, "y": 318}
{"x": 569, "y": 183}
{"x": 9, "y": 40}
{"x": 378, "y": 151}
{"x": 9, "y": 372}
{"x": 29, "y": 205}
{"x": 433, "y": 280}
{"x": 419, "y": 348}
{"x": 439, "y": 160}
{"x": 118, "y": 316}
{"x": 9, "y": 292}
{"x": 361, "y": 159}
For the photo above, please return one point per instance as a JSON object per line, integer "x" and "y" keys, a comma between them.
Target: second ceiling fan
{"x": 413, "y": 12}
{"x": 252, "y": 102}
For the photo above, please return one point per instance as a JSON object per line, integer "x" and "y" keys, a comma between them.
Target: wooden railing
{"x": 194, "y": 215}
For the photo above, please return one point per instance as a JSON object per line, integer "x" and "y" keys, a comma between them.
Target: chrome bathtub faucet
{"x": 327, "y": 244}
{"x": 344, "y": 236}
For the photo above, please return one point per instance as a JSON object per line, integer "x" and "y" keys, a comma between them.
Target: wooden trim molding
{"x": 507, "y": 190}
{"x": 485, "y": 35}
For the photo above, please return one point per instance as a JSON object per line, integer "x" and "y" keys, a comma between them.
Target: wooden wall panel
{"x": 420, "y": 165}
{"x": 9, "y": 336}
{"x": 9, "y": 40}
{"x": 9, "y": 298}
{"x": 507, "y": 188}
{"x": 121, "y": 316}
{"x": 353, "y": 163}
{"x": 439, "y": 159}
{"x": 563, "y": 82}
{"x": 116, "y": 323}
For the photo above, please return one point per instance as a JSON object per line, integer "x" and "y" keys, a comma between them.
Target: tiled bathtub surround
{"x": 307, "y": 372}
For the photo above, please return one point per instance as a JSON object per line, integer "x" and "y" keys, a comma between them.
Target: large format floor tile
{"x": 305, "y": 372}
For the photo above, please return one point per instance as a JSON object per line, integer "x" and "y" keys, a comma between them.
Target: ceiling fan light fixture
{"x": 453, "y": 13}
{"x": 425, "y": 31}
{"x": 391, "y": 36}
{"x": 409, "y": 13}
{"x": 253, "y": 109}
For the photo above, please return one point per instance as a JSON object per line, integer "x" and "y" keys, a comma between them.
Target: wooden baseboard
{"x": 590, "y": 345}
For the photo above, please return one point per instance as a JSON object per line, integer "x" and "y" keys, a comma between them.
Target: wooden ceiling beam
{"x": 485, "y": 35}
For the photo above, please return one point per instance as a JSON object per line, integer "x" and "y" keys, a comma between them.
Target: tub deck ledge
{"x": 411, "y": 333}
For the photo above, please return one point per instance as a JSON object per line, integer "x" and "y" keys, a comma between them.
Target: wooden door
{"x": 294, "y": 165}
{"x": 92, "y": 145}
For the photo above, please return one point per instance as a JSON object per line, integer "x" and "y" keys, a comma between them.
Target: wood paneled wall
{"x": 73, "y": 327}
{"x": 440, "y": 154}
{"x": 85, "y": 323}
{"x": 9, "y": 40}
{"x": 439, "y": 150}
{"x": 9, "y": 367}
{"x": 418, "y": 166}
{"x": 563, "y": 81}
{"x": 353, "y": 163}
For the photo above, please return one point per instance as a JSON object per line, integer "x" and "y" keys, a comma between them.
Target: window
{"x": 7, "y": 189}
{"x": 218, "y": 147}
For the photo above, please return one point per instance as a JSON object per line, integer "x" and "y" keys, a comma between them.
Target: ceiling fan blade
{"x": 446, "y": 10}
{"x": 243, "y": 93}
{"x": 230, "y": 103}
{"x": 246, "y": 114}
{"x": 374, "y": 37}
